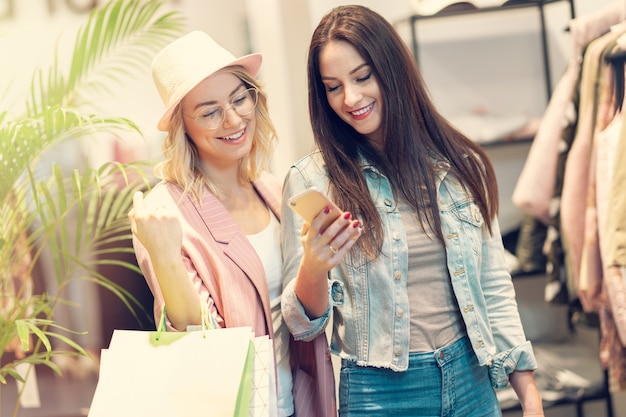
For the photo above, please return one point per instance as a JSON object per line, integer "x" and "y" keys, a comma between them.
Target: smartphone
{"x": 310, "y": 202}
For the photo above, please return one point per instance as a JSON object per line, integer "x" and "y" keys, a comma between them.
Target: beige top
{"x": 435, "y": 317}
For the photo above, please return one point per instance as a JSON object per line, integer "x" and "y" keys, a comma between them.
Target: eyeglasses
{"x": 211, "y": 117}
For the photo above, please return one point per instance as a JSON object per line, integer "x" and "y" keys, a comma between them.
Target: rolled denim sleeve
{"x": 299, "y": 324}
{"x": 519, "y": 358}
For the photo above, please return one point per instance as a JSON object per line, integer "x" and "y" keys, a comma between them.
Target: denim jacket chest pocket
{"x": 467, "y": 217}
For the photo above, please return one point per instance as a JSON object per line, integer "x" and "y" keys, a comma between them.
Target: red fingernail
{"x": 347, "y": 215}
{"x": 326, "y": 209}
{"x": 356, "y": 224}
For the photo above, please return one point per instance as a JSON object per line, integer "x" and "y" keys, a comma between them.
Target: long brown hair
{"x": 414, "y": 132}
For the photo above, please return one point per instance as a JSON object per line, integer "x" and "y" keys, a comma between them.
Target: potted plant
{"x": 117, "y": 38}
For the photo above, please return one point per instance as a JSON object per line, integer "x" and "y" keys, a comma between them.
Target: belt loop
{"x": 440, "y": 356}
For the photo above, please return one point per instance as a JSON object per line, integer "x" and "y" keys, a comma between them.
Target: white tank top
{"x": 267, "y": 246}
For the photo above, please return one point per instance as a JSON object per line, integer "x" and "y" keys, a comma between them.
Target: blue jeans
{"x": 448, "y": 382}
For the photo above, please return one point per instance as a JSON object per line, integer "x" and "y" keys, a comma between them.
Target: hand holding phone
{"x": 310, "y": 202}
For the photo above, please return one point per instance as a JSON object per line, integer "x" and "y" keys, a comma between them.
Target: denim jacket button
{"x": 397, "y": 351}
{"x": 397, "y": 275}
{"x": 477, "y": 214}
{"x": 399, "y": 312}
{"x": 388, "y": 202}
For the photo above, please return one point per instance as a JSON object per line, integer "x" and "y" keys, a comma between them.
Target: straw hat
{"x": 184, "y": 63}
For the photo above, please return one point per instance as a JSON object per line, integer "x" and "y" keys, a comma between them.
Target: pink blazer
{"x": 230, "y": 278}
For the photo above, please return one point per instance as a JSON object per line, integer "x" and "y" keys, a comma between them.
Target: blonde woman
{"x": 208, "y": 235}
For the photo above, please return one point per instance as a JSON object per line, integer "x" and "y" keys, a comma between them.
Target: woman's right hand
{"x": 156, "y": 226}
{"x": 323, "y": 250}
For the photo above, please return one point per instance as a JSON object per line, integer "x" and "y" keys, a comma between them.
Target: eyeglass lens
{"x": 243, "y": 104}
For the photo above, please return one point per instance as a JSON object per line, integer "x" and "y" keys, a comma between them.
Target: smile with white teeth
{"x": 233, "y": 137}
{"x": 363, "y": 110}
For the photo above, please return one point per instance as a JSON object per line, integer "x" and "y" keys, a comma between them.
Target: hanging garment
{"x": 536, "y": 184}
{"x": 576, "y": 174}
{"x": 589, "y": 284}
{"x": 556, "y": 289}
{"x": 614, "y": 232}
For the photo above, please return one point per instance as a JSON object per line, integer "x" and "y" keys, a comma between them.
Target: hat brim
{"x": 251, "y": 64}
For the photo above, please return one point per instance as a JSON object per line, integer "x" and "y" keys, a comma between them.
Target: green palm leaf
{"x": 97, "y": 202}
{"x": 117, "y": 39}
{"x": 25, "y": 140}
{"x": 37, "y": 204}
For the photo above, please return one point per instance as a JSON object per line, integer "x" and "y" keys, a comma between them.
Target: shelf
{"x": 481, "y": 28}
{"x": 506, "y": 142}
{"x": 508, "y": 6}
{"x": 502, "y": 130}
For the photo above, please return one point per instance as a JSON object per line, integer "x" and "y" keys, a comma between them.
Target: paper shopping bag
{"x": 263, "y": 401}
{"x": 176, "y": 374}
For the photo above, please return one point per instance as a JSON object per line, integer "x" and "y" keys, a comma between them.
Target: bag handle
{"x": 206, "y": 319}
{"x": 161, "y": 328}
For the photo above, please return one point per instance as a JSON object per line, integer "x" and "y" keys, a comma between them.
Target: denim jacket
{"x": 369, "y": 300}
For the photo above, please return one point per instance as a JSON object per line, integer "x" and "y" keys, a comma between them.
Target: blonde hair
{"x": 182, "y": 164}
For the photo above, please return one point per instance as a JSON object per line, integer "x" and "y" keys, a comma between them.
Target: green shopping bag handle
{"x": 162, "y": 336}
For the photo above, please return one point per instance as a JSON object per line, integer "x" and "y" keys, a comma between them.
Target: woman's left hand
{"x": 324, "y": 249}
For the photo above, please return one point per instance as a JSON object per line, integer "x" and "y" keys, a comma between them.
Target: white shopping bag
{"x": 182, "y": 374}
